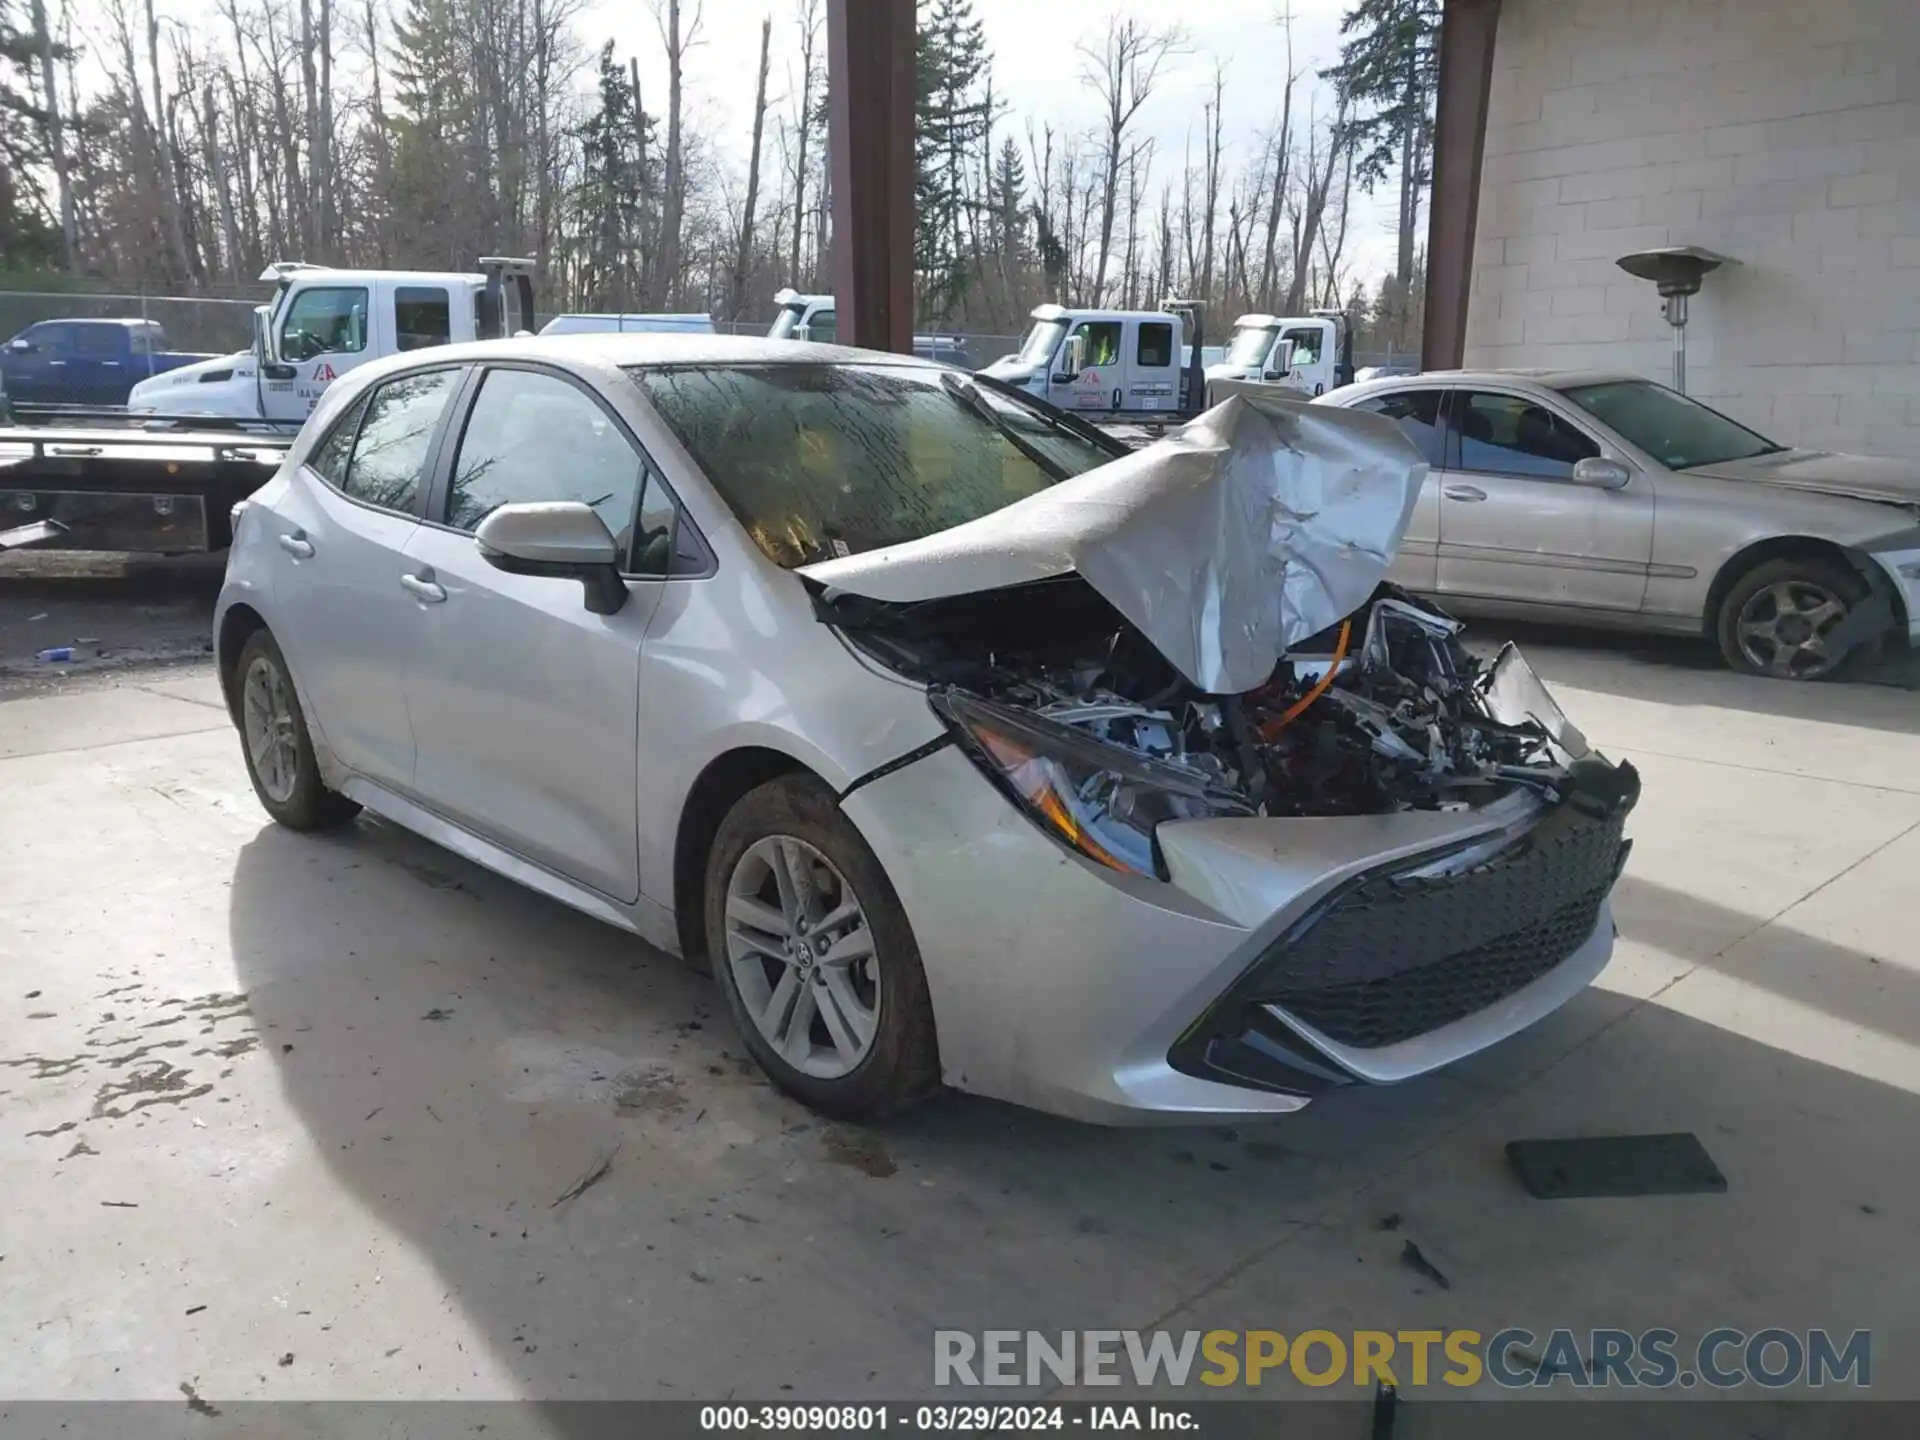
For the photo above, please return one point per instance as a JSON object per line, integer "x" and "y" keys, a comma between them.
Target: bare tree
{"x": 1211, "y": 181}
{"x": 1122, "y": 73}
{"x": 56, "y": 137}
{"x": 678, "y": 38}
{"x": 743, "y": 255}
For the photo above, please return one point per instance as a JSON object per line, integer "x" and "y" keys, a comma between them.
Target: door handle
{"x": 1463, "y": 492}
{"x": 423, "y": 588}
{"x": 297, "y": 546}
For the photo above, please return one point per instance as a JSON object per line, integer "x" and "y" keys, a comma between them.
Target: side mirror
{"x": 1601, "y": 474}
{"x": 560, "y": 540}
{"x": 20, "y": 345}
{"x": 1282, "y": 357}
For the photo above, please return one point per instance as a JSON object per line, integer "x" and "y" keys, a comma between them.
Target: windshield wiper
{"x": 969, "y": 395}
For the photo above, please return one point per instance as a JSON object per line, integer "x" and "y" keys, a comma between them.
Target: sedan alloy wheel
{"x": 802, "y": 956}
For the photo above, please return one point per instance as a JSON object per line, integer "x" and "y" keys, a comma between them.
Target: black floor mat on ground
{"x": 1616, "y": 1165}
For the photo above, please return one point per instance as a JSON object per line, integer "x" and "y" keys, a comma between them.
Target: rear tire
{"x": 275, "y": 743}
{"x": 1775, "y": 619}
{"x": 815, "y": 956}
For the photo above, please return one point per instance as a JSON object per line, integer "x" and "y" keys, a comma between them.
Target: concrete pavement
{"x": 267, "y": 1096}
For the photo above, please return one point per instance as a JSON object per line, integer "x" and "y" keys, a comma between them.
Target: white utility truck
{"x": 323, "y": 322}
{"x": 813, "y": 317}
{"x": 1111, "y": 366}
{"x": 1310, "y": 353}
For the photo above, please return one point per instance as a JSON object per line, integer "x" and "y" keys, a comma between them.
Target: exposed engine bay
{"x": 1384, "y": 712}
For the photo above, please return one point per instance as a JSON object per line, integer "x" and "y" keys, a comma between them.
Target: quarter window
{"x": 1155, "y": 347}
{"x": 324, "y": 321}
{"x": 422, "y": 316}
{"x": 1510, "y": 435}
{"x": 329, "y": 458}
{"x": 1418, "y": 413}
{"x": 390, "y": 454}
{"x": 535, "y": 437}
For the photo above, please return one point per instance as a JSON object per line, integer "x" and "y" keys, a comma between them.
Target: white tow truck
{"x": 1112, "y": 366}
{"x": 813, "y": 317}
{"x": 1309, "y": 353}
{"x": 323, "y": 322}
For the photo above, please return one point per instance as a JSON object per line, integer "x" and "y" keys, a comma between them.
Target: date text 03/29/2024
{"x": 946, "y": 1419}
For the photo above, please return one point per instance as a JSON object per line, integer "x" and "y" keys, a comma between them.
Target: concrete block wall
{"x": 1783, "y": 133}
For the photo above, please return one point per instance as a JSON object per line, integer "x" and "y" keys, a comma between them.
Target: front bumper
{"x": 1059, "y": 985}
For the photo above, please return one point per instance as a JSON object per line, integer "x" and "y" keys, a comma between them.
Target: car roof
{"x": 1550, "y": 379}
{"x": 123, "y": 322}
{"x": 632, "y": 347}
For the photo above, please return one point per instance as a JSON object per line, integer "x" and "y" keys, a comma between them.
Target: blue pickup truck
{"x": 84, "y": 362}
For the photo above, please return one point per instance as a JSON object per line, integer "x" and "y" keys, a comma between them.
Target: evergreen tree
{"x": 1389, "y": 74}
{"x": 951, "y": 121}
{"x": 27, "y": 235}
{"x": 617, "y": 193}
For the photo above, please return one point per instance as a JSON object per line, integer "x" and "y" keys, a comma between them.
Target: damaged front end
{"x": 1188, "y": 669}
{"x": 1098, "y": 739}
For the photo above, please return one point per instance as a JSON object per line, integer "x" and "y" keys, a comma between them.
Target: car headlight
{"x": 1092, "y": 797}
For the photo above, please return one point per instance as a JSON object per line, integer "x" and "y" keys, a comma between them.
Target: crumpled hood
{"x": 1859, "y": 477}
{"x": 1256, "y": 525}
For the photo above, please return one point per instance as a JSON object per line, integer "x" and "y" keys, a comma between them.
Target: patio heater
{"x": 1677, "y": 271}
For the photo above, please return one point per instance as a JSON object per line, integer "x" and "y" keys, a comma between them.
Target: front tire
{"x": 275, "y": 742}
{"x": 1779, "y": 618}
{"x": 815, "y": 956}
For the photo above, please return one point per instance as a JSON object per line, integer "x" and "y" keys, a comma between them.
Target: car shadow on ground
{"x": 564, "y": 1124}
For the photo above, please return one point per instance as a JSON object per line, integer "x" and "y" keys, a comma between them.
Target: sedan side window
{"x": 1418, "y": 412}
{"x": 1511, "y": 435}
{"x": 390, "y": 454}
{"x": 534, "y": 437}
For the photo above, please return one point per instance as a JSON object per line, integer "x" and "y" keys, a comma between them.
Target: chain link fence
{"x": 215, "y": 327}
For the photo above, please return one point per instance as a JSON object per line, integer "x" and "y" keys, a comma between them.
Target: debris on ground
{"x": 864, "y": 1153}
{"x": 120, "y": 1204}
{"x": 1411, "y": 1257}
{"x": 1617, "y": 1166}
{"x": 437, "y": 1014}
{"x": 594, "y": 1175}
{"x": 195, "y": 1403}
{"x": 1389, "y": 1221}
{"x": 286, "y": 1360}
{"x": 196, "y": 1309}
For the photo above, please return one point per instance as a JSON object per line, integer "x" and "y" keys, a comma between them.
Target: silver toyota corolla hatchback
{"x": 966, "y": 746}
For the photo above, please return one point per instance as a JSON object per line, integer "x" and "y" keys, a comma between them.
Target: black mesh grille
{"x": 1373, "y": 1013}
{"x": 1395, "y": 956}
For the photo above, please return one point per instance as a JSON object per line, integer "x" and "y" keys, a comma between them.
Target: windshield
{"x": 1250, "y": 345}
{"x": 1042, "y": 340}
{"x": 818, "y": 461}
{"x": 786, "y": 322}
{"x": 1678, "y": 432}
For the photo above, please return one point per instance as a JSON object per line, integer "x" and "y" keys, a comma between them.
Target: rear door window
{"x": 96, "y": 342}
{"x": 396, "y": 436}
{"x": 422, "y": 316}
{"x": 1154, "y": 350}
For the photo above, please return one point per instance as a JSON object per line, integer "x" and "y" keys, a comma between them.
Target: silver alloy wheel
{"x": 801, "y": 955}
{"x": 1782, "y": 630}
{"x": 266, "y": 710}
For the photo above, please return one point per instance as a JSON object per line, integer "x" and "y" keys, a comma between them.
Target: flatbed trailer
{"x": 167, "y": 488}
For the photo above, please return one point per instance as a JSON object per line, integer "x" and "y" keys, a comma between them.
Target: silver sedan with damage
{"x": 1606, "y": 499}
{"x": 963, "y": 745}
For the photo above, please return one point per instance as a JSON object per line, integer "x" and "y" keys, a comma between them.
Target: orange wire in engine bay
{"x": 1271, "y": 730}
